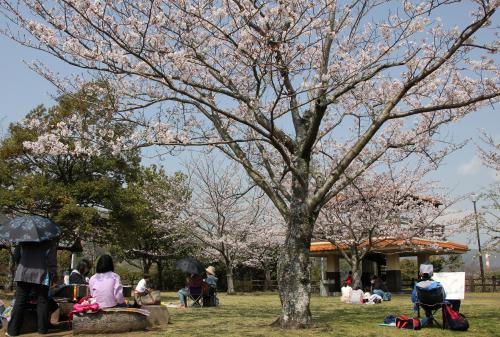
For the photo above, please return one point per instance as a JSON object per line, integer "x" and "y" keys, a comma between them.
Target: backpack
{"x": 405, "y": 322}
{"x": 455, "y": 320}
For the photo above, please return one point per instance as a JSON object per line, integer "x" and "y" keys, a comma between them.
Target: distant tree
{"x": 264, "y": 244}
{"x": 392, "y": 205}
{"x": 71, "y": 187}
{"x": 452, "y": 262}
{"x": 155, "y": 205}
{"x": 229, "y": 217}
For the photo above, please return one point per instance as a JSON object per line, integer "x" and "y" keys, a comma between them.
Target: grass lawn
{"x": 251, "y": 314}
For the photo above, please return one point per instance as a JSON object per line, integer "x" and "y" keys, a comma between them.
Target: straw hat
{"x": 210, "y": 270}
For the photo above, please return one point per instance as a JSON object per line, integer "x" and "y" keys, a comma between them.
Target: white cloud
{"x": 471, "y": 167}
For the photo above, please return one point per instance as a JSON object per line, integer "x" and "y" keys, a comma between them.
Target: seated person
{"x": 78, "y": 275}
{"x": 192, "y": 281}
{"x": 144, "y": 295}
{"x": 211, "y": 280}
{"x": 379, "y": 288}
{"x": 366, "y": 295}
{"x": 105, "y": 286}
{"x": 357, "y": 296}
{"x": 209, "y": 292}
{"x": 346, "y": 293}
{"x": 374, "y": 299}
{"x": 142, "y": 287}
{"x": 435, "y": 293}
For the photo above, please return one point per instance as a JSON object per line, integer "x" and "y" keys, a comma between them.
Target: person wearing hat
{"x": 210, "y": 296}
{"x": 211, "y": 280}
{"x": 427, "y": 284}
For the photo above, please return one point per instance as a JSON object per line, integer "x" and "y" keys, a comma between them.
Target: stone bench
{"x": 113, "y": 320}
{"x": 158, "y": 315}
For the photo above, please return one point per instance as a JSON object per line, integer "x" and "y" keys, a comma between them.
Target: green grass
{"x": 251, "y": 315}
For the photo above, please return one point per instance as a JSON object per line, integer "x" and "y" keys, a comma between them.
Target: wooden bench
{"x": 113, "y": 320}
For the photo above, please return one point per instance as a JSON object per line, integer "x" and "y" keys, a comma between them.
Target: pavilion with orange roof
{"x": 384, "y": 257}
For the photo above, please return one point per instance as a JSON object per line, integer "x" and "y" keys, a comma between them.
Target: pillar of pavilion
{"x": 333, "y": 273}
{"x": 393, "y": 272}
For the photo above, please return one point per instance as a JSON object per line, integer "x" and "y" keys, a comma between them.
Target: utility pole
{"x": 481, "y": 268}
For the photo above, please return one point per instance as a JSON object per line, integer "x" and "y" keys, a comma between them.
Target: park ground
{"x": 250, "y": 314}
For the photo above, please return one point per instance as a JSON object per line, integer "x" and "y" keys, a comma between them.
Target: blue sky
{"x": 21, "y": 90}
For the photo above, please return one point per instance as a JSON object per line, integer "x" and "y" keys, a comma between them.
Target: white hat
{"x": 426, "y": 268}
{"x": 210, "y": 270}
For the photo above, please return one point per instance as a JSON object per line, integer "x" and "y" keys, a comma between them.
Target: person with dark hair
{"x": 78, "y": 275}
{"x": 346, "y": 291}
{"x": 192, "y": 281}
{"x": 357, "y": 296}
{"x": 35, "y": 273}
{"x": 143, "y": 287}
{"x": 105, "y": 286}
{"x": 379, "y": 288}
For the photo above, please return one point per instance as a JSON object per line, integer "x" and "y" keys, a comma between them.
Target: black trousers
{"x": 23, "y": 290}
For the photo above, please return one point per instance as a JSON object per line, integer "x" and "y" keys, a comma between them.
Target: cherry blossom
{"x": 277, "y": 86}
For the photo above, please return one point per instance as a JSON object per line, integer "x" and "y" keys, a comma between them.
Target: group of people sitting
{"x": 376, "y": 293}
{"x": 37, "y": 280}
{"x": 200, "y": 288}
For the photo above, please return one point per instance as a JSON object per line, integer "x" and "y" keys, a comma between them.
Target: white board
{"x": 453, "y": 284}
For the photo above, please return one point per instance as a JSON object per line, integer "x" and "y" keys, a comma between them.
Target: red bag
{"x": 405, "y": 322}
{"x": 455, "y": 320}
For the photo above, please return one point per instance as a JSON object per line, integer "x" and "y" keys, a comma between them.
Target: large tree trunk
{"x": 230, "y": 280}
{"x": 294, "y": 266}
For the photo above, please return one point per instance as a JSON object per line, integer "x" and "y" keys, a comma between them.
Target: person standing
{"x": 36, "y": 271}
{"x": 349, "y": 279}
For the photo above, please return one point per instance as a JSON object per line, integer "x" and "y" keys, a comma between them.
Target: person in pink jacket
{"x": 105, "y": 286}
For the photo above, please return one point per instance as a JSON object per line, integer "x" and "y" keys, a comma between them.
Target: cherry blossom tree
{"x": 489, "y": 152}
{"x": 263, "y": 251}
{"x": 229, "y": 216}
{"x": 375, "y": 207}
{"x": 275, "y": 85}
{"x": 156, "y": 205}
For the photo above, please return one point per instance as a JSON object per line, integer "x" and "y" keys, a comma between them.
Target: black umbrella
{"x": 31, "y": 228}
{"x": 190, "y": 265}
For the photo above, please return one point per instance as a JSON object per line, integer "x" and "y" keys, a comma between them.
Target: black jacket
{"x": 76, "y": 278}
{"x": 35, "y": 260}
